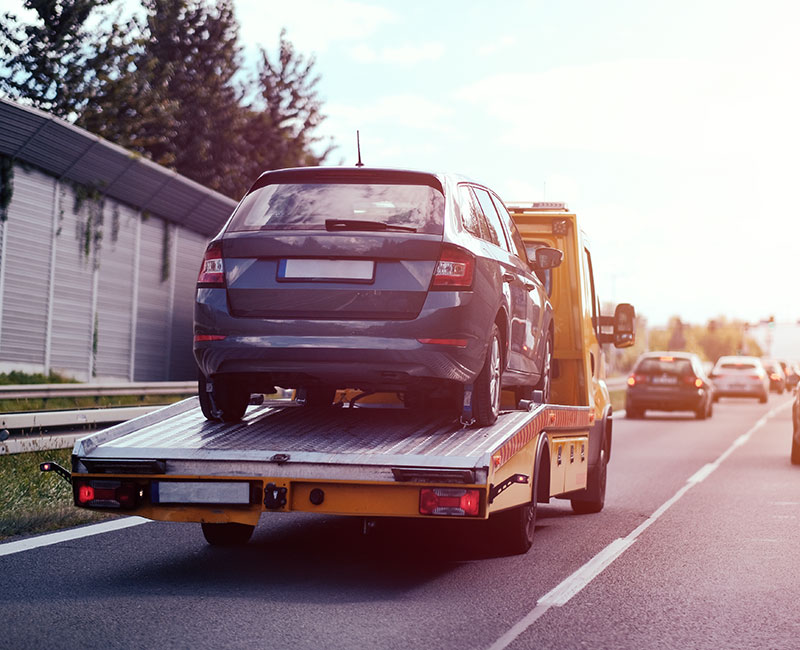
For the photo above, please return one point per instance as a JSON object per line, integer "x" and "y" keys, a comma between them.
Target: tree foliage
{"x": 169, "y": 85}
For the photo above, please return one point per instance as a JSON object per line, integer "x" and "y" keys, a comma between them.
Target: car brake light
{"x": 454, "y": 269}
{"x": 458, "y": 502}
{"x": 458, "y": 343}
{"x": 200, "y": 338}
{"x": 698, "y": 382}
{"x": 631, "y": 381}
{"x": 212, "y": 271}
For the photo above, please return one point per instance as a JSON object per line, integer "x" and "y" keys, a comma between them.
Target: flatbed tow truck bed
{"x": 175, "y": 465}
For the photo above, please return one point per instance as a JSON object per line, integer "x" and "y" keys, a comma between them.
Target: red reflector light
{"x": 457, "y": 502}
{"x": 459, "y": 343}
{"x": 212, "y": 272}
{"x": 199, "y": 338}
{"x": 454, "y": 270}
{"x": 85, "y": 493}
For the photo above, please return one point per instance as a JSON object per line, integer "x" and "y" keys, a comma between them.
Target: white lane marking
{"x": 66, "y": 535}
{"x": 562, "y": 593}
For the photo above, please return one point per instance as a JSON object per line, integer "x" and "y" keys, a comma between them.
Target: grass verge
{"x": 36, "y": 502}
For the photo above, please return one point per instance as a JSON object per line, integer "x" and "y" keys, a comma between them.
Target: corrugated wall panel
{"x": 27, "y": 269}
{"x": 153, "y": 318}
{"x": 72, "y": 329}
{"x": 115, "y": 293}
{"x": 189, "y": 256}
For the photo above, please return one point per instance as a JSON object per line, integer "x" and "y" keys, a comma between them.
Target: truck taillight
{"x": 458, "y": 502}
{"x": 454, "y": 269}
{"x": 212, "y": 271}
{"x": 101, "y": 493}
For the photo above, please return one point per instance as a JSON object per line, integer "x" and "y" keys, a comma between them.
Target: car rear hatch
{"x": 665, "y": 374}
{"x": 334, "y": 244}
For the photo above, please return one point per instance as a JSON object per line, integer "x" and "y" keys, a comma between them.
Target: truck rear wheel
{"x": 593, "y": 498}
{"x": 513, "y": 530}
{"x": 227, "y": 534}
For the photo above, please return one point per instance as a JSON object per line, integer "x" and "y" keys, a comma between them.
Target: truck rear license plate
{"x": 215, "y": 492}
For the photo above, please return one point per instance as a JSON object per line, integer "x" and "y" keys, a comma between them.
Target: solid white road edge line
{"x": 74, "y": 533}
{"x": 562, "y": 593}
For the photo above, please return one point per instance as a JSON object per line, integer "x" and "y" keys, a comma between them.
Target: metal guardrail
{"x": 46, "y": 391}
{"x": 39, "y": 420}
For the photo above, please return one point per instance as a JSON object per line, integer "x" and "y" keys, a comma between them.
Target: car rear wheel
{"x": 633, "y": 413}
{"x": 763, "y": 398}
{"x": 227, "y": 534}
{"x": 226, "y": 401}
{"x": 486, "y": 392}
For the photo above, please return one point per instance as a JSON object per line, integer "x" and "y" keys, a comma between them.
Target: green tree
{"x": 57, "y": 62}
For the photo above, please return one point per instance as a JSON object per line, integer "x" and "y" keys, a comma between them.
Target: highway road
{"x": 697, "y": 548}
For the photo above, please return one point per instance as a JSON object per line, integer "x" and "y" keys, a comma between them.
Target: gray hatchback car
{"x": 372, "y": 279}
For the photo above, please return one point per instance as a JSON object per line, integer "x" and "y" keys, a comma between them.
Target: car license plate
{"x": 217, "y": 492}
{"x": 665, "y": 380}
{"x": 317, "y": 270}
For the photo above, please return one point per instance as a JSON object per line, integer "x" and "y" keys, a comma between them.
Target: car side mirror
{"x": 624, "y": 325}
{"x": 547, "y": 258}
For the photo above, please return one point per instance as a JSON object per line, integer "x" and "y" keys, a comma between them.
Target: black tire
{"x": 225, "y": 402}
{"x": 487, "y": 389}
{"x": 634, "y": 414}
{"x": 227, "y": 534}
{"x": 795, "y": 451}
{"x": 763, "y": 399}
{"x": 320, "y": 396}
{"x": 546, "y": 381}
{"x": 593, "y": 498}
{"x": 701, "y": 413}
{"x": 710, "y": 408}
{"x": 513, "y": 530}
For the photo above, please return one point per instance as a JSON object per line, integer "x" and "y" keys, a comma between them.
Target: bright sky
{"x": 671, "y": 128}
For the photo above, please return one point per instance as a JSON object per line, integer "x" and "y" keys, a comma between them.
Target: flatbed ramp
{"x": 290, "y": 440}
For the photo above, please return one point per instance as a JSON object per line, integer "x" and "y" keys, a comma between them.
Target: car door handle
{"x": 508, "y": 277}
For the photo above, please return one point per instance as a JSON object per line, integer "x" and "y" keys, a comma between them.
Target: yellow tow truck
{"x": 379, "y": 459}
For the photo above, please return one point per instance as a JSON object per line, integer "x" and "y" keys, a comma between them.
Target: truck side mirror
{"x": 624, "y": 325}
{"x": 547, "y": 258}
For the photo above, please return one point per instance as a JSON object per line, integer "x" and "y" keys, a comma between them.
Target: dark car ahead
{"x": 669, "y": 381}
{"x": 372, "y": 279}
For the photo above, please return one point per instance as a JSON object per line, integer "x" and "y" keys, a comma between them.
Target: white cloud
{"x": 312, "y": 25}
{"x": 406, "y": 55}
{"x": 498, "y": 45}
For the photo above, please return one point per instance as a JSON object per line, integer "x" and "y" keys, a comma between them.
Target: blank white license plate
{"x": 228, "y": 492}
{"x": 330, "y": 270}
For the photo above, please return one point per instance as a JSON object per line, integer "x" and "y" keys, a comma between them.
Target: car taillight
{"x": 100, "y": 493}
{"x": 698, "y": 382}
{"x": 454, "y": 269}
{"x": 458, "y": 502}
{"x": 631, "y": 381}
{"x": 637, "y": 379}
{"x": 212, "y": 271}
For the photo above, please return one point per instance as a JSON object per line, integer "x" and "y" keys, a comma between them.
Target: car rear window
{"x": 306, "y": 206}
{"x": 665, "y": 366}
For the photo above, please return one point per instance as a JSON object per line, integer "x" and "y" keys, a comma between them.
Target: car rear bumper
{"x": 365, "y": 354}
{"x": 661, "y": 400}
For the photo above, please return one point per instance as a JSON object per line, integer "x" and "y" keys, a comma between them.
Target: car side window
{"x": 492, "y": 218}
{"x": 517, "y": 245}
{"x": 471, "y": 214}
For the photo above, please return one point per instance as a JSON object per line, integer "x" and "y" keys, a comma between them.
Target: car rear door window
{"x": 492, "y": 218}
{"x": 472, "y": 216}
{"x": 517, "y": 244}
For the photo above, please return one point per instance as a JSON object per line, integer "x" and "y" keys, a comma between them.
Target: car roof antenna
{"x": 358, "y": 146}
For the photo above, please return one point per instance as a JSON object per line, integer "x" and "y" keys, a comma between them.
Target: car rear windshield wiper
{"x": 359, "y": 224}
